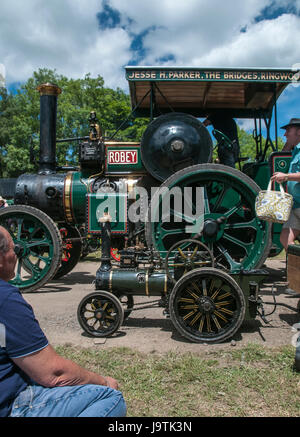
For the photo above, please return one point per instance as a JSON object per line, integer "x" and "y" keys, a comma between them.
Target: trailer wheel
{"x": 100, "y": 314}
{"x": 207, "y": 305}
{"x": 38, "y": 242}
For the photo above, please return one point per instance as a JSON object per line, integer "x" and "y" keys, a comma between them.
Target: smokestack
{"x": 48, "y": 106}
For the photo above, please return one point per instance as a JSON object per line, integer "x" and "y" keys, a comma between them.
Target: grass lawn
{"x": 246, "y": 382}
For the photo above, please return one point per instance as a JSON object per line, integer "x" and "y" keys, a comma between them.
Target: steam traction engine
{"x": 206, "y": 276}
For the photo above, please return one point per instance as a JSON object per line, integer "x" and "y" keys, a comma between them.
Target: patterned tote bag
{"x": 273, "y": 206}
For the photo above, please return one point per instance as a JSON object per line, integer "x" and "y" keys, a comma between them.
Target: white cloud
{"x": 65, "y": 34}
{"x": 61, "y": 34}
{"x": 266, "y": 44}
{"x": 187, "y": 28}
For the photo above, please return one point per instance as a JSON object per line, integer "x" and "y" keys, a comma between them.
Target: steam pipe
{"x": 48, "y": 108}
{"x": 105, "y": 226}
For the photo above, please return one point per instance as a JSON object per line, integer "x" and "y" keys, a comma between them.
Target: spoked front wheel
{"x": 100, "y": 314}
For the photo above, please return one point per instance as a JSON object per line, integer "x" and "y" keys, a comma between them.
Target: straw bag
{"x": 273, "y": 206}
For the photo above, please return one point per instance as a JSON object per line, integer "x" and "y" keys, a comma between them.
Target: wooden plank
{"x": 260, "y": 99}
{"x": 293, "y": 269}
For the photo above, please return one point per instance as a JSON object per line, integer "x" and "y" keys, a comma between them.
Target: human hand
{"x": 111, "y": 382}
{"x": 279, "y": 177}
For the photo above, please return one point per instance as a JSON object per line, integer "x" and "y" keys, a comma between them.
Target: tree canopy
{"x": 19, "y": 120}
{"x": 20, "y": 126}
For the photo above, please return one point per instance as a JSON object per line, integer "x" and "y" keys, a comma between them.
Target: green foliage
{"x": 248, "y": 144}
{"x": 19, "y": 119}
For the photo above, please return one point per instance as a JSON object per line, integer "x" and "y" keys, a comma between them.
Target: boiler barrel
{"x": 44, "y": 192}
{"x": 61, "y": 196}
{"x": 135, "y": 282}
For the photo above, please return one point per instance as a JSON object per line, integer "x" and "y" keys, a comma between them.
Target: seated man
{"x": 227, "y": 126}
{"x": 34, "y": 379}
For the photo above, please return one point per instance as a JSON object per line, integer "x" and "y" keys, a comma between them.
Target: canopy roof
{"x": 244, "y": 92}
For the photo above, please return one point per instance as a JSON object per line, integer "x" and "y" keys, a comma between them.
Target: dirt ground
{"x": 147, "y": 330}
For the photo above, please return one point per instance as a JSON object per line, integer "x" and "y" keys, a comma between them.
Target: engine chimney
{"x": 48, "y": 107}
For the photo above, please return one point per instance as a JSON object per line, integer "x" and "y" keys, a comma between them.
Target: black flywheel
{"x": 174, "y": 141}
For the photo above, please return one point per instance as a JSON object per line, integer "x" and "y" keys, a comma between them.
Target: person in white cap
{"x": 291, "y": 229}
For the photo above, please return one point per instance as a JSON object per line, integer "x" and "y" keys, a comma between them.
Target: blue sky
{"x": 76, "y": 37}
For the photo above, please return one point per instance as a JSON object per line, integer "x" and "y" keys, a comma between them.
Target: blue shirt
{"x": 20, "y": 335}
{"x": 293, "y": 186}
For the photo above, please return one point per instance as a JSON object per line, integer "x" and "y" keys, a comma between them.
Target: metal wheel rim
{"x": 100, "y": 314}
{"x": 207, "y": 305}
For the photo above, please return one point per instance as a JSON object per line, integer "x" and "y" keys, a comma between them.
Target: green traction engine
{"x": 176, "y": 225}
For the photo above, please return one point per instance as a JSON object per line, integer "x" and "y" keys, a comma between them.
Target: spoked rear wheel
{"x": 100, "y": 314}
{"x": 207, "y": 305}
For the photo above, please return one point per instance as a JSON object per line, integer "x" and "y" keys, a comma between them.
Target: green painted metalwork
{"x": 278, "y": 161}
{"x": 79, "y": 190}
{"x": 113, "y": 203}
{"x": 259, "y": 172}
{"x": 241, "y": 239}
{"x": 281, "y": 163}
{"x": 137, "y": 282}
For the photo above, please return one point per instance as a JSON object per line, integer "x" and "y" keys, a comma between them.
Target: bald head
{"x": 4, "y": 239}
{"x": 8, "y": 258}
